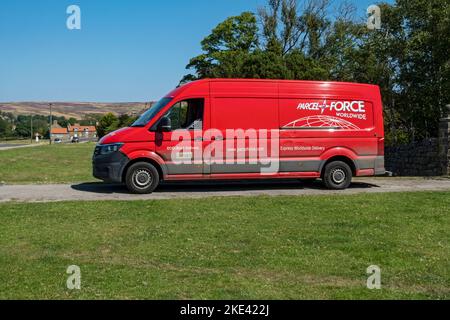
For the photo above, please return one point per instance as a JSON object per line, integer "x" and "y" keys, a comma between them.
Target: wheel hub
{"x": 142, "y": 178}
{"x": 338, "y": 176}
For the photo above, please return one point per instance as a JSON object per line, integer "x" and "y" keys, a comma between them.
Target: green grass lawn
{"x": 229, "y": 248}
{"x": 58, "y": 163}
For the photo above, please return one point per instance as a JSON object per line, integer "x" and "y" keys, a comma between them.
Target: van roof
{"x": 312, "y": 82}
{"x": 280, "y": 81}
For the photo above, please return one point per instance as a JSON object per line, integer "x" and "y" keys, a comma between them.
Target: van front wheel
{"x": 142, "y": 178}
{"x": 337, "y": 175}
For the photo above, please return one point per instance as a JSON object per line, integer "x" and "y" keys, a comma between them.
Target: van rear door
{"x": 316, "y": 118}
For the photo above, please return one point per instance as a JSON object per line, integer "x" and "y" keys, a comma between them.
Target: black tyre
{"x": 142, "y": 178}
{"x": 337, "y": 175}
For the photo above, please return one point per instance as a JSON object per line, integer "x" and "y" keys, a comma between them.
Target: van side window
{"x": 187, "y": 114}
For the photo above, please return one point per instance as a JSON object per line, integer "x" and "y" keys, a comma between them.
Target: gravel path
{"x": 99, "y": 191}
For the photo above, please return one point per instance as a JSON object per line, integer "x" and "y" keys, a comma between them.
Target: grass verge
{"x": 229, "y": 248}
{"x": 63, "y": 163}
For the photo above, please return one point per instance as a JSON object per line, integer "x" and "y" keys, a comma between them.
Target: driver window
{"x": 187, "y": 115}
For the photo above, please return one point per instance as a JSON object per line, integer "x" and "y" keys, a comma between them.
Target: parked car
{"x": 232, "y": 129}
{"x": 58, "y": 140}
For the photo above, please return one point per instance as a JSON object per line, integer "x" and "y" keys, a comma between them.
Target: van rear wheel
{"x": 142, "y": 178}
{"x": 337, "y": 175}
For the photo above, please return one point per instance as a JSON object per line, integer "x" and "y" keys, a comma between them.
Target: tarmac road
{"x": 100, "y": 191}
{"x": 10, "y": 145}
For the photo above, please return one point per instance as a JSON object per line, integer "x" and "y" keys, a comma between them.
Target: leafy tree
{"x": 285, "y": 27}
{"x": 72, "y": 121}
{"x": 107, "y": 124}
{"x": 423, "y": 62}
{"x": 125, "y": 120}
{"x": 263, "y": 65}
{"x": 226, "y": 48}
{"x": 23, "y": 129}
{"x": 23, "y": 126}
{"x": 289, "y": 45}
{"x": 110, "y": 122}
{"x": 5, "y": 128}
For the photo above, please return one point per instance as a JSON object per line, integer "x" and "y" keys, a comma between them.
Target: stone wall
{"x": 444, "y": 142}
{"x": 415, "y": 159}
{"x": 430, "y": 157}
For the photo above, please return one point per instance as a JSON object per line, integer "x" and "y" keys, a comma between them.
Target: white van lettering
{"x": 308, "y": 106}
{"x": 238, "y": 146}
{"x": 338, "y": 106}
{"x": 348, "y": 106}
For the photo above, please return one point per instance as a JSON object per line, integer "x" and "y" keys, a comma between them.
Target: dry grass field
{"x": 72, "y": 109}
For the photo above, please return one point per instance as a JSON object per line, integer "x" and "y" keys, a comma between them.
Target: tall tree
{"x": 108, "y": 123}
{"x": 226, "y": 48}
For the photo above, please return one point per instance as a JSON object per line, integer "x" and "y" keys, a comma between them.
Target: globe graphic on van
{"x": 320, "y": 121}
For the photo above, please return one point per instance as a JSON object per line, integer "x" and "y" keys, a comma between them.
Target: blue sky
{"x": 133, "y": 50}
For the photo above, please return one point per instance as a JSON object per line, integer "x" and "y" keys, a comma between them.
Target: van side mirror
{"x": 165, "y": 125}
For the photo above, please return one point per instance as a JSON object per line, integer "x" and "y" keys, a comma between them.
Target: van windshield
{"x": 148, "y": 115}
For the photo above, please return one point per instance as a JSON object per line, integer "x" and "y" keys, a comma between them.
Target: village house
{"x": 58, "y": 132}
{"x": 75, "y": 131}
{"x": 79, "y": 131}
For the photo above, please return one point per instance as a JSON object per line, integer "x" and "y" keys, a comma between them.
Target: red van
{"x": 234, "y": 129}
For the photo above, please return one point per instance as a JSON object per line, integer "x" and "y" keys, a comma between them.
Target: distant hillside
{"x": 72, "y": 109}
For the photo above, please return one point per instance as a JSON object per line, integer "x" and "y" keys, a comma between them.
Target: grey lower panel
{"x": 177, "y": 169}
{"x": 235, "y": 168}
{"x": 380, "y": 169}
{"x": 300, "y": 166}
{"x": 284, "y": 166}
{"x": 362, "y": 164}
{"x": 376, "y": 163}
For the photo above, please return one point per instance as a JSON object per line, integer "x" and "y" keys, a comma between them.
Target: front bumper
{"x": 109, "y": 167}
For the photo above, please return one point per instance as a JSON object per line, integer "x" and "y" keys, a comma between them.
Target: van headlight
{"x": 108, "y": 148}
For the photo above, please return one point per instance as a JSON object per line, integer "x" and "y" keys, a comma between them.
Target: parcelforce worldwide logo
{"x": 337, "y": 106}
{"x": 341, "y": 114}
